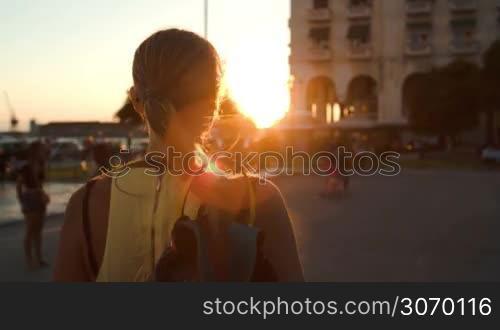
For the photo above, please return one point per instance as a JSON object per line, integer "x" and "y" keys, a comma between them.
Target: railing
{"x": 418, "y": 49}
{"x": 317, "y": 54}
{"x": 359, "y": 11}
{"x": 319, "y": 14}
{"x": 419, "y": 7}
{"x": 361, "y": 51}
{"x": 463, "y": 5}
{"x": 461, "y": 47}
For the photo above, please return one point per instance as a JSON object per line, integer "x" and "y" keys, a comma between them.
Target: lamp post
{"x": 205, "y": 16}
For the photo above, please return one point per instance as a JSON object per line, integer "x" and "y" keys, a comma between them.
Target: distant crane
{"x": 13, "y": 119}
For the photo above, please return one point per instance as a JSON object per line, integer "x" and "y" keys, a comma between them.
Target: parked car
{"x": 491, "y": 154}
{"x": 67, "y": 150}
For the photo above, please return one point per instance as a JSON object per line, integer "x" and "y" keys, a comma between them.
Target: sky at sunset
{"x": 71, "y": 60}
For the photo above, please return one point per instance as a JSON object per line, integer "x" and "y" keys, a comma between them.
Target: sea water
{"x": 10, "y": 209}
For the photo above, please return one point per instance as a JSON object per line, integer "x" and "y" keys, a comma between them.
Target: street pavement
{"x": 417, "y": 226}
{"x": 12, "y": 267}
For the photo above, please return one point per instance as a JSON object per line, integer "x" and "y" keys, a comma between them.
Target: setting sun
{"x": 257, "y": 80}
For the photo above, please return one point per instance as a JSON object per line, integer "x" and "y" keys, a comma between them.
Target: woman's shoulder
{"x": 270, "y": 204}
{"x": 264, "y": 189}
{"x": 97, "y": 187}
{"x": 232, "y": 194}
{"x": 261, "y": 185}
{"x": 94, "y": 196}
{"x": 73, "y": 260}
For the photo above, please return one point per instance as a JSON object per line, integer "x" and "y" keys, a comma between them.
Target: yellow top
{"x": 137, "y": 233}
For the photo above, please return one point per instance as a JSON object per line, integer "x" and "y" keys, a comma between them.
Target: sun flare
{"x": 257, "y": 79}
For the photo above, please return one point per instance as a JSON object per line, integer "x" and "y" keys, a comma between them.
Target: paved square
{"x": 417, "y": 226}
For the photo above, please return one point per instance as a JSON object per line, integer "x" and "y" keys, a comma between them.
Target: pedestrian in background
{"x": 33, "y": 200}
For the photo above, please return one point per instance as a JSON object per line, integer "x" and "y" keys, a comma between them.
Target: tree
{"x": 231, "y": 116}
{"x": 459, "y": 85}
{"x": 447, "y": 101}
{"x": 490, "y": 87}
{"x": 127, "y": 114}
{"x": 422, "y": 107}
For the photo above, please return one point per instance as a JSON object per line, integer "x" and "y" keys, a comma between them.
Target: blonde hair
{"x": 174, "y": 68}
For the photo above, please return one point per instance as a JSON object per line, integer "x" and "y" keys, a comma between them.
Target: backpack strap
{"x": 86, "y": 229}
{"x": 186, "y": 195}
{"x": 252, "y": 199}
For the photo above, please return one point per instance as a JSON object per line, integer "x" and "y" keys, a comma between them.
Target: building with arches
{"x": 366, "y": 56}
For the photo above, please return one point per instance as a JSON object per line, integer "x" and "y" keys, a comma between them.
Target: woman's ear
{"x": 136, "y": 102}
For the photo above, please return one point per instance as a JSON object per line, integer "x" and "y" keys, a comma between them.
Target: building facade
{"x": 353, "y": 60}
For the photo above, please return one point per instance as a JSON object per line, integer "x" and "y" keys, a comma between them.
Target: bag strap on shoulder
{"x": 252, "y": 199}
{"x": 184, "y": 200}
{"x": 86, "y": 228}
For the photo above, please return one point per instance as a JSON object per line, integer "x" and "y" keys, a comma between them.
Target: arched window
{"x": 321, "y": 97}
{"x": 362, "y": 98}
